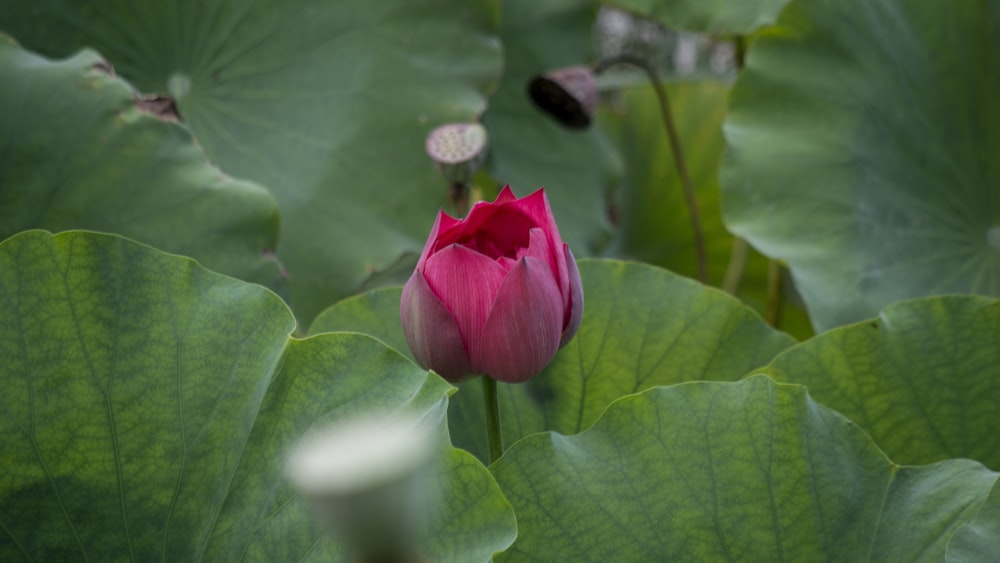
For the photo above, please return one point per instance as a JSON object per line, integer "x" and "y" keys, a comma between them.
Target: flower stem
{"x": 458, "y": 193}
{"x": 737, "y": 264}
{"x": 675, "y": 149}
{"x": 494, "y": 435}
{"x": 740, "y": 48}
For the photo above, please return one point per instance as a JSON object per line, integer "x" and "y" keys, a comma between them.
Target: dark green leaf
{"x": 148, "y": 403}
{"x": 923, "y": 379}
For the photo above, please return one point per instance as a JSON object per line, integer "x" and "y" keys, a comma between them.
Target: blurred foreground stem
{"x": 675, "y": 149}
{"x": 494, "y": 435}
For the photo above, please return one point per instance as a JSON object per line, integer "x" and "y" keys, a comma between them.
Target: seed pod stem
{"x": 458, "y": 194}
{"x": 675, "y": 148}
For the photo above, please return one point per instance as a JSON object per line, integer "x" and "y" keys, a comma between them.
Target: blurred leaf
{"x": 709, "y": 16}
{"x": 923, "y": 379}
{"x": 642, "y": 327}
{"x": 654, "y": 225}
{"x": 861, "y": 150}
{"x": 148, "y": 403}
{"x": 749, "y": 471}
{"x": 76, "y": 153}
{"x": 531, "y": 150}
{"x": 475, "y": 520}
{"x": 326, "y": 103}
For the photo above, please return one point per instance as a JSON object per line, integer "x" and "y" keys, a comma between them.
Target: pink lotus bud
{"x": 497, "y": 293}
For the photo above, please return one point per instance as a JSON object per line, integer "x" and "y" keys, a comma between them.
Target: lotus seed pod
{"x": 458, "y": 150}
{"x": 567, "y": 94}
{"x": 368, "y": 480}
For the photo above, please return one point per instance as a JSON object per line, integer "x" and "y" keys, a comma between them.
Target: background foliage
{"x": 322, "y": 102}
{"x": 79, "y": 154}
{"x": 844, "y": 157}
{"x": 875, "y": 164}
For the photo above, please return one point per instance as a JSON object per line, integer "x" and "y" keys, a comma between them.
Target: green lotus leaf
{"x": 708, "y": 16}
{"x": 78, "y": 152}
{"x": 716, "y": 471}
{"x": 642, "y": 327}
{"x": 148, "y": 404}
{"x": 326, "y": 103}
{"x": 375, "y": 313}
{"x": 977, "y": 540}
{"x": 923, "y": 378}
{"x": 861, "y": 151}
{"x": 531, "y": 150}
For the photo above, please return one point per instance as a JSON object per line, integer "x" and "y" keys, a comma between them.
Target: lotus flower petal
{"x": 467, "y": 283}
{"x": 524, "y": 329}
{"x": 505, "y": 195}
{"x": 494, "y": 230}
{"x": 432, "y": 332}
{"x": 536, "y": 207}
{"x": 574, "y": 314}
{"x": 443, "y": 223}
{"x": 538, "y": 247}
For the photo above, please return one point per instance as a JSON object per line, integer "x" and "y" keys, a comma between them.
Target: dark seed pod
{"x": 568, "y": 94}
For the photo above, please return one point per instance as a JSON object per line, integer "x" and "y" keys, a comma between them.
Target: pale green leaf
{"x": 862, "y": 150}
{"x": 326, "y": 103}
{"x": 76, "y": 153}
{"x": 747, "y": 471}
